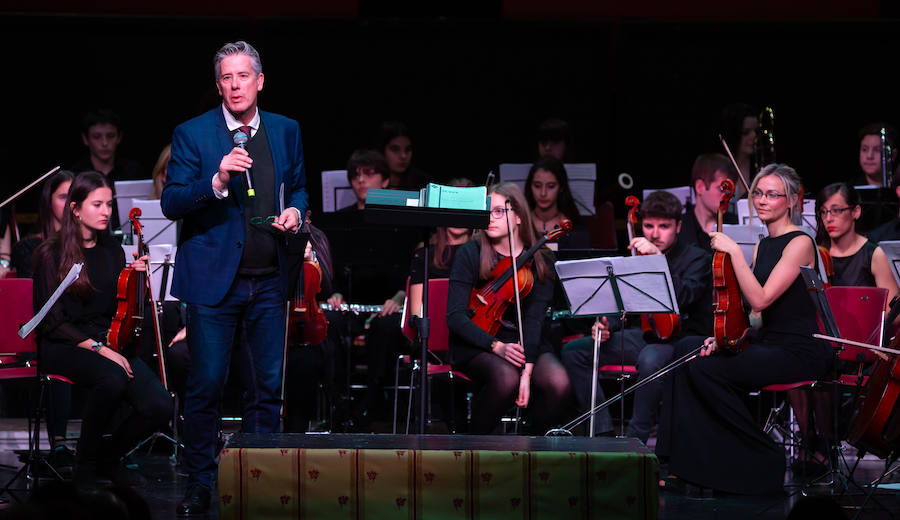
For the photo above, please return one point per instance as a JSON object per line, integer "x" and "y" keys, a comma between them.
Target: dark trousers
{"x": 141, "y": 404}
{"x": 255, "y": 306}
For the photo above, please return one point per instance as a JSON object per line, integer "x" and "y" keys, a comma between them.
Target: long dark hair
{"x": 442, "y": 257}
{"x": 45, "y": 209}
{"x": 851, "y": 197}
{"x": 68, "y": 242}
{"x": 526, "y": 232}
{"x": 564, "y": 200}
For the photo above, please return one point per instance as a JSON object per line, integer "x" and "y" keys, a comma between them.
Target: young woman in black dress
{"x": 494, "y": 362}
{"x": 710, "y": 436}
{"x": 72, "y": 338}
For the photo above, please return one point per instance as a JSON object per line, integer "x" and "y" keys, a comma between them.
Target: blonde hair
{"x": 789, "y": 179}
{"x": 159, "y": 169}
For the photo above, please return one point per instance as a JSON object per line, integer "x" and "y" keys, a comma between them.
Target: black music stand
{"x": 616, "y": 286}
{"x": 425, "y": 219}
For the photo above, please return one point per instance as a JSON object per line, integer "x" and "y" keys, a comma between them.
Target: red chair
{"x": 858, "y": 313}
{"x": 438, "y": 341}
{"x": 18, "y": 360}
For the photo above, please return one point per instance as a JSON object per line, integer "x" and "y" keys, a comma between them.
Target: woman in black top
{"x": 857, "y": 261}
{"x": 710, "y": 436}
{"x": 494, "y": 363}
{"x": 72, "y": 336}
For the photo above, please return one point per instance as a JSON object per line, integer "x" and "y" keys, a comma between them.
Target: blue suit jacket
{"x": 212, "y": 233}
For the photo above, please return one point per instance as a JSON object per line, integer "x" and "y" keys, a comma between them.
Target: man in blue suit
{"x": 236, "y": 205}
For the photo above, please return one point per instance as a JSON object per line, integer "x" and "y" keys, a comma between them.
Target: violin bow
{"x": 742, "y": 179}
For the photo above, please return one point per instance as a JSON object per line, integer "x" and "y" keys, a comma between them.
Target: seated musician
{"x": 707, "y": 174}
{"x": 548, "y": 194}
{"x": 870, "y": 153}
{"x": 506, "y": 371}
{"x": 73, "y": 335}
{"x": 709, "y": 435}
{"x": 370, "y": 268}
{"x": 858, "y": 262}
{"x": 689, "y": 267}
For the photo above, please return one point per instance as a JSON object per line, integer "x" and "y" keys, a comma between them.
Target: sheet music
{"x": 891, "y": 249}
{"x": 582, "y": 177}
{"x": 644, "y": 282}
{"x": 336, "y": 191}
{"x": 70, "y": 278}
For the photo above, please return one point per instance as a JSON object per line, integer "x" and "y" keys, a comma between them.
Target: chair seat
{"x": 18, "y": 372}
{"x": 628, "y": 369}
{"x": 59, "y": 378}
{"x": 446, "y": 369}
{"x": 852, "y": 380}
{"x": 786, "y": 386}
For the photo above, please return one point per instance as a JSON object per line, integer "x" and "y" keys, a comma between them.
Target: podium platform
{"x": 435, "y": 476}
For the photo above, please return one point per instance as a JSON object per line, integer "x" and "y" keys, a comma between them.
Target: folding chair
{"x": 18, "y": 360}
{"x": 438, "y": 341}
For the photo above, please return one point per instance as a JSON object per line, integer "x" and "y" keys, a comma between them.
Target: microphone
{"x": 240, "y": 140}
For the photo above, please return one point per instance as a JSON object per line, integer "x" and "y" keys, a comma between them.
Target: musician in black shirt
{"x": 691, "y": 276}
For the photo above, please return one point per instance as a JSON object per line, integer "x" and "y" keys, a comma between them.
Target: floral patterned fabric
{"x": 358, "y": 484}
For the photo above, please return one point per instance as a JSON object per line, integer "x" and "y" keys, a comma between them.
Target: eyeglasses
{"x": 837, "y": 212}
{"x": 769, "y": 195}
{"x": 498, "y": 213}
{"x": 263, "y": 220}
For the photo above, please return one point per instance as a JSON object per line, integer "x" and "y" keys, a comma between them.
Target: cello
{"x": 655, "y": 327}
{"x": 731, "y": 326}
{"x": 873, "y": 425}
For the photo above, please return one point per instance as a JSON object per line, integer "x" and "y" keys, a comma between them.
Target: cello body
{"x": 874, "y": 406}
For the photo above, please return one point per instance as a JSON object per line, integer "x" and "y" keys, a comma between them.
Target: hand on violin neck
{"x": 642, "y": 246}
{"x": 724, "y": 243}
{"x": 512, "y": 352}
{"x": 140, "y": 264}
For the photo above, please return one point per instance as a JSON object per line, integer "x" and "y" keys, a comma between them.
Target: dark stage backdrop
{"x": 641, "y": 96}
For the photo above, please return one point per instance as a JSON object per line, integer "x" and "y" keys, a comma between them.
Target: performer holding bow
{"x": 73, "y": 336}
{"x": 231, "y": 253}
{"x": 707, "y": 431}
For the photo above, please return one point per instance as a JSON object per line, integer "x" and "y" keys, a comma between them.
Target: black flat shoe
{"x": 677, "y": 486}
{"x": 195, "y": 501}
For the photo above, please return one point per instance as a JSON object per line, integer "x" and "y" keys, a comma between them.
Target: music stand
{"x": 616, "y": 286}
{"x": 425, "y": 219}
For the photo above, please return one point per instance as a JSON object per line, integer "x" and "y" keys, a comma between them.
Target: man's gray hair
{"x": 239, "y": 47}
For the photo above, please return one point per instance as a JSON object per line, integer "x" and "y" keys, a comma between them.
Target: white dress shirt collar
{"x": 233, "y": 124}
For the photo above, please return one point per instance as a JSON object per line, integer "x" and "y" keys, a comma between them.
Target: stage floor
{"x": 163, "y": 485}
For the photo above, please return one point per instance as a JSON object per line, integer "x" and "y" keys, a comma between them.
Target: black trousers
{"x": 133, "y": 407}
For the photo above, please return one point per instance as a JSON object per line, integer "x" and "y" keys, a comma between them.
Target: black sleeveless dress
{"x": 711, "y": 437}
{"x": 855, "y": 270}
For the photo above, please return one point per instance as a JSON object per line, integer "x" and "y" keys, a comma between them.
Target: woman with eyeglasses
{"x": 506, "y": 372}
{"x": 710, "y": 436}
{"x": 858, "y": 262}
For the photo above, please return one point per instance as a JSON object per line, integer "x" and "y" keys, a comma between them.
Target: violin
{"x": 488, "y": 303}
{"x": 731, "y": 327}
{"x": 132, "y": 290}
{"x": 656, "y": 327}
{"x": 307, "y": 320}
